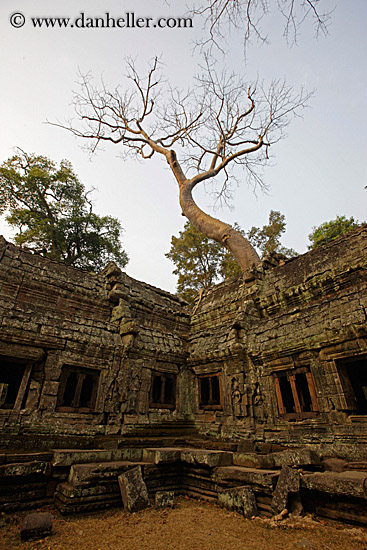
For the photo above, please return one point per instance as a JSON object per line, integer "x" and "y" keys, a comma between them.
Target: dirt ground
{"x": 191, "y": 525}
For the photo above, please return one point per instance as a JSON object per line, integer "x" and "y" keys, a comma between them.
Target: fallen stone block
{"x": 68, "y": 457}
{"x": 207, "y": 458}
{"x": 133, "y": 490}
{"x": 238, "y": 475}
{"x": 288, "y": 482}
{"x": 36, "y": 526}
{"x": 296, "y": 457}
{"x": 159, "y": 456}
{"x": 351, "y": 483}
{"x": 253, "y": 460}
{"x": 164, "y": 499}
{"x": 95, "y": 473}
{"x": 239, "y": 499}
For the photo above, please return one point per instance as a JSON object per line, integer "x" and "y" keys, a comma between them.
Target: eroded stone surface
{"x": 133, "y": 490}
{"x": 296, "y": 457}
{"x": 288, "y": 482}
{"x": 347, "y": 483}
{"x": 164, "y": 499}
{"x": 239, "y": 499}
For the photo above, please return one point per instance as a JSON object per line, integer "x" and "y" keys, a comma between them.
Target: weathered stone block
{"x": 239, "y": 499}
{"x": 164, "y": 499}
{"x": 36, "y": 526}
{"x": 67, "y": 457}
{"x": 296, "y": 457}
{"x": 133, "y": 490}
{"x": 25, "y": 469}
{"x": 158, "y": 456}
{"x": 348, "y": 483}
{"x": 263, "y": 479}
{"x": 253, "y": 460}
{"x": 83, "y": 474}
{"x": 288, "y": 482}
{"x": 211, "y": 459}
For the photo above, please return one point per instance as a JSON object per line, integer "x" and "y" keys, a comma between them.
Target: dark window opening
{"x": 287, "y": 395}
{"x": 163, "y": 391}
{"x": 69, "y": 392}
{"x": 296, "y": 394}
{"x": 14, "y": 378}
{"x": 353, "y": 375}
{"x": 303, "y": 392}
{"x": 77, "y": 390}
{"x": 210, "y": 394}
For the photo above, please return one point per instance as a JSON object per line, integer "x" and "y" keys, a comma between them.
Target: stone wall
{"x": 275, "y": 357}
{"x": 295, "y": 328}
{"x": 61, "y": 327}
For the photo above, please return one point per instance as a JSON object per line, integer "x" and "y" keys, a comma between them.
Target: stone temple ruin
{"x": 260, "y": 393}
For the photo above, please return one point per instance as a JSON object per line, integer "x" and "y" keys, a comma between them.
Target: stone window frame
{"x": 24, "y": 383}
{"x": 81, "y": 373}
{"x": 162, "y": 404}
{"x": 349, "y": 401}
{"x": 290, "y": 374}
{"x": 218, "y": 404}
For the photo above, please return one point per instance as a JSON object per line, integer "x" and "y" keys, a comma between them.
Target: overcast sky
{"x": 319, "y": 170}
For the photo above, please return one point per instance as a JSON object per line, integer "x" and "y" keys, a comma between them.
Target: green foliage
{"x": 201, "y": 262}
{"x": 197, "y": 260}
{"x": 267, "y": 238}
{"x": 328, "y": 231}
{"x": 53, "y": 213}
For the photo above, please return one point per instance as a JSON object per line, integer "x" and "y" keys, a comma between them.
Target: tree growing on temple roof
{"x": 201, "y": 262}
{"x": 53, "y": 213}
{"x": 202, "y": 133}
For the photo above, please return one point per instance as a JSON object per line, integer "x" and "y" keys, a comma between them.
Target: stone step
{"x": 9, "y": 458}
{"x": 234, "y": 476}
{"x": 350, "y": 483}
{"x": 68, "y": 457}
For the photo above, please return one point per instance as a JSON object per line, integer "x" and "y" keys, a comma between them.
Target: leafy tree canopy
{"x": 53, "y": 213}
{"x": 328, "y": 231}
{"x": 267, "y": 238}
{"x": 201, "y": 262}
{"x": 197, "y": 259}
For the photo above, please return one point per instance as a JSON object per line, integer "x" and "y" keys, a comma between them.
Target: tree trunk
{"x": 245, "y": 255}
{"x": 242, "y": 251}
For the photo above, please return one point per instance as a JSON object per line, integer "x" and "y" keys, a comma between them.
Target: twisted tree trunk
{"x": 245, "y": 255}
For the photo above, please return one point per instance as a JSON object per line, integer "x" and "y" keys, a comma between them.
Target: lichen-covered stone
{"x": 239, "y": 499}
{"x": 347, "y": 483}
{"x": 164, "y": 499}
{"x": 133, "y": 490}
{"x": 296, "y": 457}
{"x": 288, "y": 482}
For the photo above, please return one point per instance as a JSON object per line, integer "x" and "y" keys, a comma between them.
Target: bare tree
{"x": 202, "y": 133}
{"x": 248, "y": 15}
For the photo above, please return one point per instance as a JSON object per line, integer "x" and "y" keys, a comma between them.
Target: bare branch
{"x": 247, "y": 15}
{"x": 205, "y": 134}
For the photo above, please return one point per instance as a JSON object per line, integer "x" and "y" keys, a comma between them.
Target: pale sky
{"x": 319, "y": 170}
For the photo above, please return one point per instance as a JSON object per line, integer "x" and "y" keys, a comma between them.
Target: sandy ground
{"x": 191, "y": 525}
